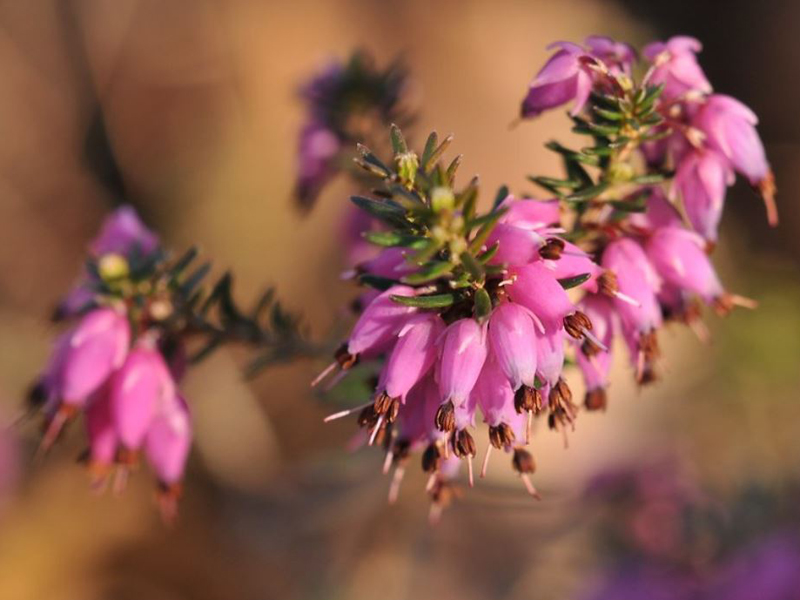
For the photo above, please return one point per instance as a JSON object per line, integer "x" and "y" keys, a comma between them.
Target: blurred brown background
{"x": 187, "y": 109}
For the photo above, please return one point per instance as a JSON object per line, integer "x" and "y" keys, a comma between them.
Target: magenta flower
{"x": 379, "y": 323}
{"x": 637, "y": 280}
{"x": 516, "y": 246}
{"x": 139, "y": 390}
{"x": 679, "y": 257}
{"x": 593, "y": 362}
{"x": 536, "y": 288}
{"x": 701, "y": 180}
{"x": 564, "y": 78}
{"x": 391, "y": 263}
{"x": 617, "y": 56}
{"x": 102, "y": 435}
{"x": 124, "y": 233}
{"x": 512, "y": 340}
{"x": 463, "y": 352}
{"x": 528, "y": 213}
{"x": 675, "y": 66}
{"x": 317, "y": 150}
{"x": 550, "y": 356}
{"x": 410, "y": 360}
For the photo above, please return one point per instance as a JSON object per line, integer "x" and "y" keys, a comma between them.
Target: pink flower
{"x": 595, "y": 363}
{"x": 463, "y": 352}
{"x": 637, "y": 279}
{"x": 140, "y": 389}
{"x": 391, "y": 263}
{"x": 124, "y": 233}
{"x": 675, "y": 66}
{"x": 96, "y": 347}
{"x": 103, "y": 438}
{"x": 537, "y": 289}
{"x": 412, "y": 356}
{"x": 563, "y": 78}
{"x": 679, "y": 257}
{"x": 729, "y": 127}
{"x": 528, "y": 213}
{"x": 169, "y": 439}
{"x": 660, "y": 213}
{"x": 550, "y": 355}
{"x": 617, "y": 56}
{"x": 701, "y": 180}
{"x": 516, "y": 246}
{"x": 380, "y": 321}
{"x": 316, "y": 152}
{"x": 512, "y": 340}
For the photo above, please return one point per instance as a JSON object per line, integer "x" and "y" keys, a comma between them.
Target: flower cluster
{"x": 471, "y": 314}
{"x": 119, "y": 364}
{"x": 345, "y": 103}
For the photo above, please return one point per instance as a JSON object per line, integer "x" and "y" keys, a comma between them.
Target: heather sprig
{"x": 137, "y": 319}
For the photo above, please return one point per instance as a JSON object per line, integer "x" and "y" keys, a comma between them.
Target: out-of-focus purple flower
{"x": 617, "y": 56}
{"x": 701, "y": 180}
{"x": 640, "y": 581}
{"x": 317, "y": 150}
{"x": 139, "y": 391}
{"x": 564, "y": 78}
{"x": 675, "y": 66}
{"x": 768, "y": 571}
{"x": 391, "y": 263}
{"x": 679, "y": 257}
{"x": 660, "y": 213}
{"x": 124, "y": 233}
{"x": 102, "y": 435}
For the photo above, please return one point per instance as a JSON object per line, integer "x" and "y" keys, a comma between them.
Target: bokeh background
{"x": 187, "y": 109}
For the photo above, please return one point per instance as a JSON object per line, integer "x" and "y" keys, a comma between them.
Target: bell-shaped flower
{"x": 512, "y": 341}
{"x": 515, "y": 246}
{"x": 730, "y": 129}
{"x": 102, "y": 435}
{"x": 593, "y": 362}
{"x": 617, "y": 56}
{"x": 675, "y": 66}
{"x": 637, "y": 280}
{"x": 168, "y": 440}
{"x": 380, "y": 321}
{"x": 317, "y": 149}
{"x": 536, "y": 288}
{"x": 564, "y": 78}
{"x": 124, "y": 233}
{"x": 701, "y": 180}
{"x": 139, "y": 390}
{"x": 550, "y": 355}
{"x": 390, "y": 263}
{"x": 528, "y": 213}
{"x": 96, "y": 347}
{"x": 463, "y": 352}
{"x": 412, "y": 356}
{"x": 679, "y": 257}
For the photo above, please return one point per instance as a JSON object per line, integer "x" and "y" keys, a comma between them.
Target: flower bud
{"x": 463, "y": 352}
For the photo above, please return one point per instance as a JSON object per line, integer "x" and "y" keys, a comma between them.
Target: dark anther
{"x": 430, "y": 458}
{"x": 501, "y": 436}
{"x": 523, "y": 461}
{"x": 595, "y": 399}
{"x": 552, "y": 249}
{"x": 345, "y": 359}
{"x": 463, "y": 444}
{"x": 528, "y": 399}
{"x": 576, "y": 323}
{"x": 446, "y": 417}
{"x": 607, "y": 283}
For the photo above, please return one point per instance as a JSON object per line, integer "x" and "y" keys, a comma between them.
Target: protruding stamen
{"x": 325, "y": 372}
{"x": 485, "y": 464}
{"x": 529, "y": 486}
{"x": 469, "y": 470}
{"x": 595, "y": 399}
{"x": 446, "y": 417}
{"x": 552, "y": 249}
{"x": 375, "y": 431}
{"x": 394, "y": 487}
{"x": 344, "y": 413}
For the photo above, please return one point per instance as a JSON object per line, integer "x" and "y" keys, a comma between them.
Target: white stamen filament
{"x": 394, "y": 487}
{"x": 344, "y": 413}
{"x": 387, "y": 462}
{"x": 485, "y": 464}
{"x": 628, "y": 299}
{"x": 469, "y": 470}
{"x": 375, "y": 431}
{"x": 326, "y": 371}
{"x": 592, "y": 338}
{"x": 529, "y": 486}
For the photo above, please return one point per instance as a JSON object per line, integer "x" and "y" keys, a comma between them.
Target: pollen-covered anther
{"x": 562, "y": 409}
{"x": 552, "y": 250}
{"x": 368, "y": 417}
{"x": 607, "y": 283}
{"x": 345, "y": 359}
{"x": 463, "y": 444}
{"x": 501, "y": 436}
{"x": 595, "y": 399}
{"x": 400, "y": 450}
{"x": 577, "y": 324}
{"x": 430, "y": 458}
{"x": 386, "y": 406}
{"x": 528, "y": 399}
{"x": 446, "y": 417}
{"x": 525, "y": 465}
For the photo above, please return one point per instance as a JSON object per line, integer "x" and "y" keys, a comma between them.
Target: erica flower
{"x": 701, "y": 180}
{"x": 593, "y": 361}
{"x": 564, "y": 78}
{"x": 729, "y": 128}
{"x": 617, "y": 56}
{"x": 675, "y": 66}
{"x": 317, "y": 151}
{"x": 463, "y": 352}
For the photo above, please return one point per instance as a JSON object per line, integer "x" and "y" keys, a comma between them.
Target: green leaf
{"x": 572, "y": 155}
{"x": 389, "y": 239}
{"x": 472, "y": 266}
{"x": 489, "y": 221}
{"x": 188, "y": 285}
{"x": 650, "y": 178}
{"x": 571, "y": 282}
{"x": 468, "y": 198}
{"x": 551, "y": 182}
{"x": 430, "y": 147}
{"x": 483, "y": 304}
{"x": 433, "y": 301}
{"x": 183, "y": 262}
{"x": 489, "y": 253}
{"x": 386, "y": 211}
{"x": 398, "y": 141}
{"x": 452, "y": 168}
{"x": 609, "y": 115}
{"x": 428, "y": 162}
{"x": 502, "y": 194}
{"x": 429, "y": 272}
{"x": 588, "y": 193}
